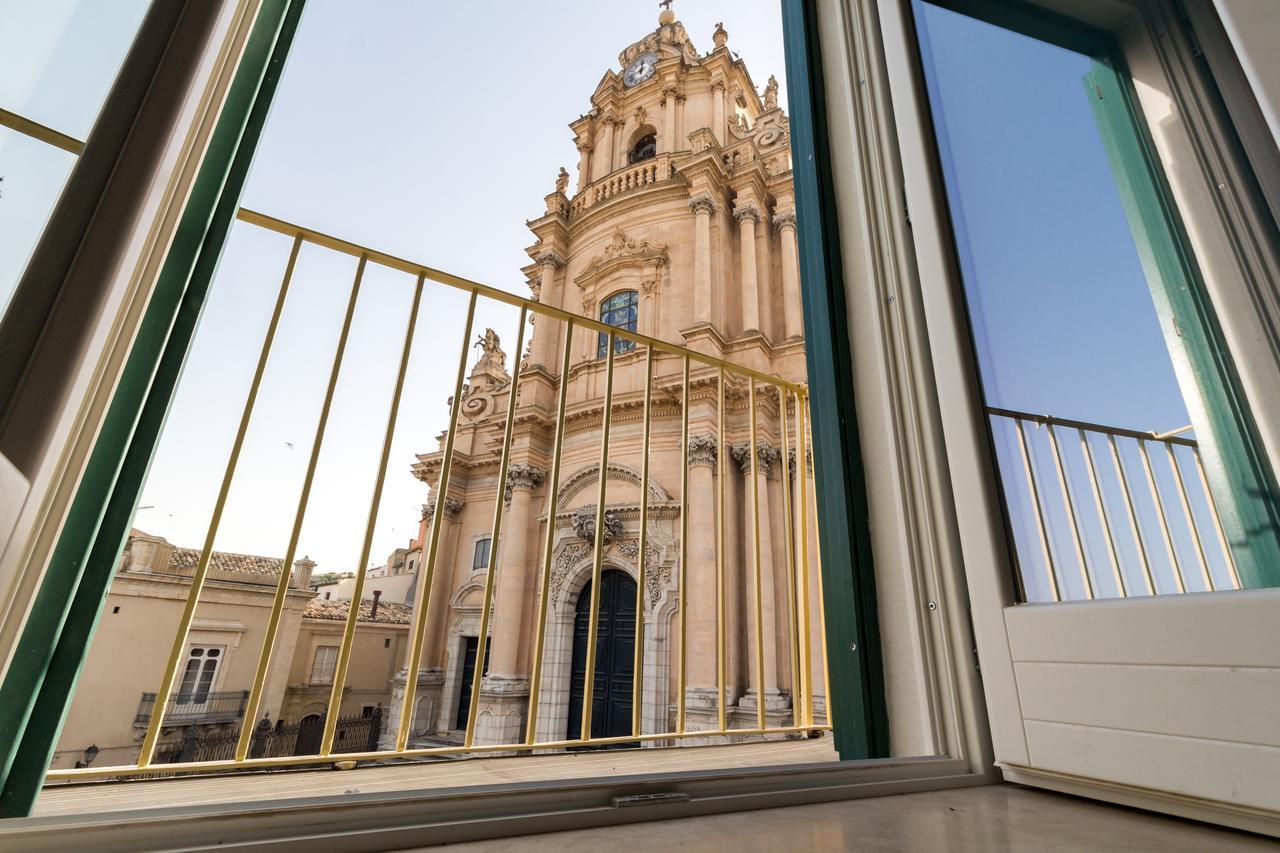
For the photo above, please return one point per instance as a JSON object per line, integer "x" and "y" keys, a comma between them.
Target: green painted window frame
{"x": 37, "y": 689}
{"x": 855, "y": 665}
{"x": 1241, "y": 477}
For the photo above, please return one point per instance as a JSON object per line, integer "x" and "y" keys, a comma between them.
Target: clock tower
{"x": 681, "y": 225}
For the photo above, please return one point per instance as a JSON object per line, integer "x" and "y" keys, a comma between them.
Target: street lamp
{"x": 89, "y": 754}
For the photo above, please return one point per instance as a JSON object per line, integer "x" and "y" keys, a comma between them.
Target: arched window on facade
{"x": 618, "y": 310}
{"x": 645, "y": 147}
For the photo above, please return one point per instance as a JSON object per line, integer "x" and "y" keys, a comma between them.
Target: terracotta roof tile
{"x": 388, "y": 613}
{"x": 228, "y": 563}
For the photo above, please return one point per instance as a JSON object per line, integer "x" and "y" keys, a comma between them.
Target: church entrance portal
{"x": 615, "y": 658}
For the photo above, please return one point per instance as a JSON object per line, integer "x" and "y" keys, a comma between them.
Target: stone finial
{"x": 703, "y": 450}
{"x": 562, "y": 180}
{"x": 721, "y": 35}
{"x": 702, "y": 203}
{"x": 666, "y": 16}
{"x": 771, "y": 93}
{"x": 302, "y": 570}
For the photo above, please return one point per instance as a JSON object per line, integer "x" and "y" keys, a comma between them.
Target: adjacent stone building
{"x": 682, "y": 227}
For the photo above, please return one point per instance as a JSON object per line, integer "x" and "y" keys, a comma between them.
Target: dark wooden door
{"x": 468, "y": 676}
{"x": 615, "y": 658}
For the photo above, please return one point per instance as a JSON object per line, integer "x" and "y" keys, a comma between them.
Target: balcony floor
{"x": 961, "y": 820}
{"x": 98, "y": 797}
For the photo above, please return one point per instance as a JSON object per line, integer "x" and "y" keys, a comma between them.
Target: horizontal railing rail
{"x": 777, "y": 585}
{"x": 1124, "y": 539}
{"x": 189, "y": 708}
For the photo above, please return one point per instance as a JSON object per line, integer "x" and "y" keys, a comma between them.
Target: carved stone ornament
{"x": 743, "y": 212}
{"x": 668, "y": 40}
{"x": 452, "y": 506}
{"x": 656, "y": 576}
{"x": 791, "y": 461}
{"x": 702, "y": 203}
{"x": 562, "y": 180}
{"x": 721, "y": 36}
{"x": 524, "y": 476}
{"x": 784, "y": 219}
{"x": 551, "y": 259}
{"x": 771, "y": 93}
{"x": 703, "y": 450}
{"x": 569, "y": 556}
{"x": 584, "y": 524}
{"x": 488, "y": 377}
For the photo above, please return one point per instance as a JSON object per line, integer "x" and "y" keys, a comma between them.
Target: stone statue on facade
{"x": 562, "y": 181}
{"x": 771, "y": 93}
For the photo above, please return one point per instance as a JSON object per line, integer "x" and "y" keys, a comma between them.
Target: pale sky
{"x": 428, "y": 131}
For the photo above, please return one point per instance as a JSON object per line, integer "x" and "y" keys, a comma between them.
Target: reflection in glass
{"x": 33, "y": 174}
{"x": 1114, "y": 461}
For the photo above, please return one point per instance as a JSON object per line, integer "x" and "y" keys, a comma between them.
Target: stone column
{"x": 584, "y": 164}
{"x": 441, "y": 582}
{"x": 792, "y": 308}
{"x": 543, "y": 347}
{"x": 669, "y": 140}
{"x": 701, "y": 683}
{"x": 604, "y": 153}
{"x": 747, "y": 216}
{"x": 504, "y": 692}
{"x": 616, "y": 142}
{"x": 765, "y": 456}
{"x": 703, "y": 206}
{"x": 717, "y": 100}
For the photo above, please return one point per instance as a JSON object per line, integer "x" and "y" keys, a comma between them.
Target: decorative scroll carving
{"x": 525, "y": 476}
{"x": 656, "y": 575}
{"x": 784, "y": 219}
{"x": 569, "y": 556}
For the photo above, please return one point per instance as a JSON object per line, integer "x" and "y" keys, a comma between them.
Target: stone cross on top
{"x": 666, "y": 4}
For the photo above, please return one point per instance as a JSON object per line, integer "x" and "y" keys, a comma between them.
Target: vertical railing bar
{"x": 375, "y": 502}
{"x": 755, "y": 554}
{"x": 1069, "y": 503}
{"x": 1134, "y": 527}
{"x": 178, "y": 651}
{"x": 589, "y": 673}
{"x": 793, "y": 620}
{"x": 553, "y": 495}
{"x": 282, "y": 586}
{"x": 1217, "y": 520}
{"x": 495, "y": 539}
{"x": 428, "y": 576}
{"x": 822, "y": 601}
{"x": 802, "y": 475}
{"x": 637, "y": 669}
{"x": 1112, "y": 554}
{"x": 1191, "y": 519}
{"x": 722, "y": 627}
{"x": 1042, "y": 527}
{"x": 1161, "y": 516}
{"x": 682, "y": 662}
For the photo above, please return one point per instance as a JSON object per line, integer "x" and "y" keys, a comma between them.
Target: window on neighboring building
{"x": 645, "y": 148}
{"x": 481, "y": 559}
{"x": 199, "y": 674}
{"x": 322, "y": 666}
{"x": 618, "y": 310}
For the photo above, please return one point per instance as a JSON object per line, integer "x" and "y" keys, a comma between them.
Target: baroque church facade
{"x": 681, "y": 226}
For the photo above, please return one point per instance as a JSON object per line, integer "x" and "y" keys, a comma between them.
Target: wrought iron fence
{"x": 184, "y": 708}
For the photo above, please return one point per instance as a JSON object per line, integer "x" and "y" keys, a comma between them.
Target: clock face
{"x": 640, "y": 70}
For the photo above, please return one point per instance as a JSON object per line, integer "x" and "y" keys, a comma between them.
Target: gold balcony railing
{"x": 786, "y": 404}
{"x": 1128, "y": 532}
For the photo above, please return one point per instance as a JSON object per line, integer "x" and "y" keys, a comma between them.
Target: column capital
{"x": 524, "y": 476}
{"x": 551, "y": 258}
{"x": 766, "y": 455}
{"x": 791, "y": 461}
{"x": 785, "y": 219}
{"x": 747, "y": 211}
{"x": 452, "y": 506}
{"x": 702, "y": 203}
{"x": 703, "y": 450}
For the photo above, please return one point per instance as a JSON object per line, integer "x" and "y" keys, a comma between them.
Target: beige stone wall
{"x": 377, "y": 653}
{"x": 131, "y": 646}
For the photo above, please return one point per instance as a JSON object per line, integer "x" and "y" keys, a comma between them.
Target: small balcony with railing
{"x": 190, "y": 709}
{"x": 646, "y": 174}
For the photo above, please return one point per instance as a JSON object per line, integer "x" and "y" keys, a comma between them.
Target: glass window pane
{"x": 1102, "y": 411}
{"x": 31, "y": 178}
{"x": 58, "y": 58}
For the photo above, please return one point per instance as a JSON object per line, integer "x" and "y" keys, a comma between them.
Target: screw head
{"x": 933, "y": 605}
{"x": 853, "y": 647}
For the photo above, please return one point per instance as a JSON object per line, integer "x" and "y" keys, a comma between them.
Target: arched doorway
{"x": 310, "y": 733}
{"x": 615, "y": 657}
